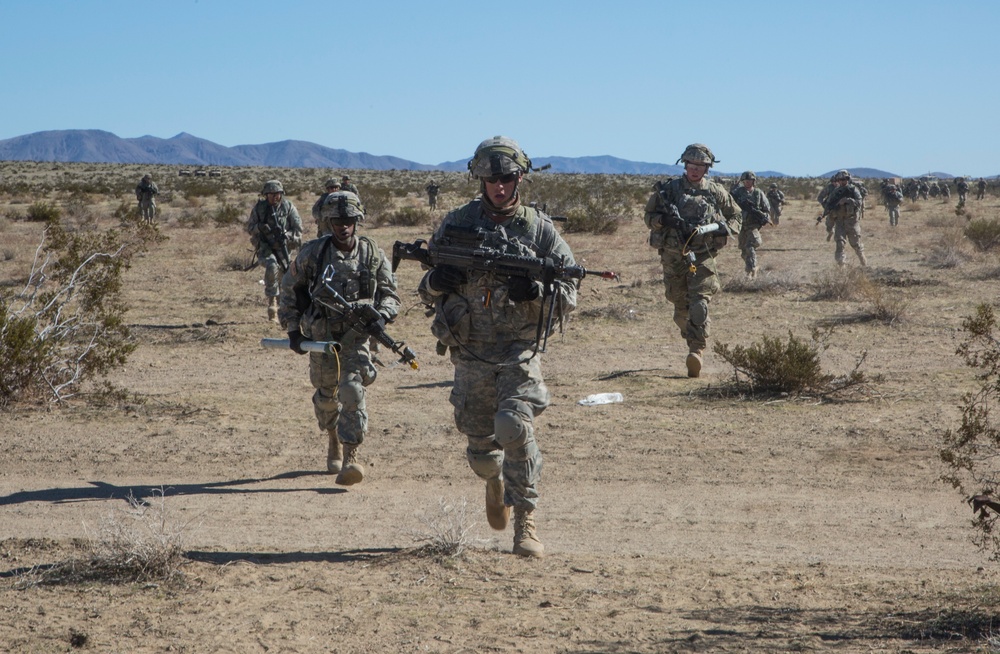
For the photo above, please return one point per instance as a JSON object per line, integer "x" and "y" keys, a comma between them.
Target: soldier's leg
{"x": 702, "y": 285}
{"x": 675, "y": 278}
{"x": 840, "y": 237}
{"x": 521, "y": 395}
{"x": 853, "y": 232}
{"x": 271, "y": 273}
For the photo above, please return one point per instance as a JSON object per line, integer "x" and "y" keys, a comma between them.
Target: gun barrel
{"x": 320, "y": 347}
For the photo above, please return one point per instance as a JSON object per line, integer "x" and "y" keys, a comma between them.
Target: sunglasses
{"x": 502, "y": 179}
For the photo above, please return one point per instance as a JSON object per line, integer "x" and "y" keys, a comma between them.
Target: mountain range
{"x": 98, "y": 146}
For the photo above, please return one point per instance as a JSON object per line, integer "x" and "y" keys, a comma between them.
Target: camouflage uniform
{"x": 843, "y": 208}
{"x": 892, "y": 197}
{"x": 911, "y": 190}
{"x": 945, "y": 190}
{"x": 263, "y": 215}
{"x": 347, "y": 185}
{"x": 331, "y": 186}
{"x": 923, "y": 188}
{"x": 963, "y": 189}
{"x": 432, "y": 194}
{"x": 776, "y": 198}
{"x": 750, "y": 239}
{"x": 490, "y": 323}
{"x": 980, "y": 189}
{"x": 360, "y": 275}
{"x": 690, "y": 285}
{"x": 935, "y": 190}
{"x": 145, "y": 193}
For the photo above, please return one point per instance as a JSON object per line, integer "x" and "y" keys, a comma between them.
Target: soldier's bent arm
{"x": 386, "y": 296}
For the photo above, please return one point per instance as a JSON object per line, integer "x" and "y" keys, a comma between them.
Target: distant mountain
{"x": 866, "y": 173}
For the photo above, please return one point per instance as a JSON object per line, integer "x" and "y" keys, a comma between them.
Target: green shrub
{"x": 793, "y": 367}
{"x": 378, "y": 202}
{"x": 972, "y": 452}
{"x": 408, "y": 217}
{"x": 227, "y": 214}
{"x": 43, "y": 212}
{"x": 984, "y": 234}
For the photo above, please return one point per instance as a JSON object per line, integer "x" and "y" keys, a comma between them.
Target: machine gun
{"x": 466, "y": 248}
{"x": 363, "y": 319}
{"x": 754, "y": 213}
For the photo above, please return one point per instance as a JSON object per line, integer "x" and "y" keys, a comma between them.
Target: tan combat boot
{"x": 526, "y": 541}
{"x": 497, "y": 513}
{"x": 352, "y": 471}
{"x": 694, "y": 363}
{"x": 334, "y": 453}
{"x": 272, "y": 309}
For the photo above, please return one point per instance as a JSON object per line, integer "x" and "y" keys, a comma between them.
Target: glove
{"x": 295, "y": 342}
{"x": 445, "y": 279}
{"x": 522, "y": 289}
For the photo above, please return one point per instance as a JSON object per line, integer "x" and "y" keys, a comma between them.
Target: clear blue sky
{"x": 798, "y": 87}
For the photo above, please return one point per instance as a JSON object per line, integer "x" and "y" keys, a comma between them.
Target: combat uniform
{"x": 750, "y": 239}
{"x": 690, "y": 274}
{"x": 892, "y": 197}
{"x": 263, "y": 216}
{"x": 776, "y": 198}
{"x": 843, "y": 209}
{"x": 145, "y": 193}
{"x": 362, "y": 275}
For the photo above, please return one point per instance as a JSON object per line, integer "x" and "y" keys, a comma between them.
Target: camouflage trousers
{"x": 690, "y": 293}
{"x": 848, "y": 230}
{"x": 272, "y": 274}
{"x": 893, "y": 210}
{"x": 339, "y": 400}
{"x": 749, "y": 241}
{"x": 495, "y": 407}
{"x": 775, "y": 214}
{"x": 147, "y": 210}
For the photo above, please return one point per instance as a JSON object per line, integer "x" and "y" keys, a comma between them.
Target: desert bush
{"x": 448, "y": 532}
{"x": 764, "y": 282}
{"x": 227, "y": 214}
{"x": 406, "y": 217}
{"x": 66, "y": 326}
{"x": 972, "y": 452}
{"x": 983, "y": 234}
{"x": 43, "y": 212}
{"x": 774, "y": 366}
{"x": 841, "y": 283}
{"x": 127, "y": 212}
{"x": 193, "y": 219}
{"x": 887, "y": 305}
{"x": 377, "y": 202}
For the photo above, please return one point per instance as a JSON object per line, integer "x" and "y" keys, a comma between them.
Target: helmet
{"x": 774, "y": 185}
{"x": 842, "y": 174}
{"x": 272, "y": 186}
{"x": 331, "y": 182}
{"x": 342, "y": 205}
{"x": 698, "y": 153}
{"x": 498, "y": 156}
{"x": 748, "y": 175}
{"x": 346, "y": 178}
{"x": 147, "y": 177}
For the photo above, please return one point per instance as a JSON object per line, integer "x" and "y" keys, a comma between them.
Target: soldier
{"x": 963, "y": 189}
{"x": 945, "y": 191}
{"x": 432, "y": 194}
{"x": 756, "y": 210}
{"x": 981, "y": 189}
{"x": 347, "y": 185}
{"x": 331, "y": 186}
{"x": 145, "y": 193}
{"x": 843, "y": 208}
{"x": 356, "y": 268}
{"x": 776, "y": 198}
{"x": 892, "y": 197}
{"x": 275, "y": 230}
{"x": 911, "y": 190}
{"x": 935, "y": 190}
{"x": 923, "y": 188}
{"x": 689, "y": 220}
{"x": 491, "y": 324}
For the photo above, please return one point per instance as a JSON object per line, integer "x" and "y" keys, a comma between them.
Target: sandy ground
{"x": 678, "y": 520}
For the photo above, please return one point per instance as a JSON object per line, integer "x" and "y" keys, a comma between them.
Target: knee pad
{"x": 352, "y": 393}
{"x": 484, "y": 456}
{"x": 325, "y": 402}
{"x": 698, "y": 313}
{"x": 512, "y": 427}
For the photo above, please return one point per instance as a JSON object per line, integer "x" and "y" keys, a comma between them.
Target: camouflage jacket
{"x": 752, "y": 198}
{"x": 776, "y": 197}
{"x": 480, "y": 311}
{"x": 145, "y": 191}
{"x": 697, "y": 205}
{"x": 285, "y": 216}
{"x": 361, "y": 275}
{"x": 843, "y": 202}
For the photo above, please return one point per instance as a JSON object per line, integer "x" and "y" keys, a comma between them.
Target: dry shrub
{"x": 449, "y": 531}
{"x": 140, "y": 543}
{"x": 406, "y": 217}
{"x": 950, "y": 249}
{"x": 888, "y": 305}
{"x": 983, "y": 234}
{"x": 613, "y": 311}
{"x": 764, "y": 282}
{"x": 841, "y": 283}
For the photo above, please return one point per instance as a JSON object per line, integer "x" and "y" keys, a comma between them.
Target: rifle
{"x": 277, "y": 240}
{"x": 320, "y": 347}
{"x": 363, "y": 319}
{"x": 755, "y": 213}
{"x": 464, "y": 247}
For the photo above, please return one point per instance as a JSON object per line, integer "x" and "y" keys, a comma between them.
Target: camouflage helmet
{"x": 842, "y": 174}
{"x": 749, "y": 174}
{"x": 774, "y": 185}
{"x": 498, "y": 156}
{"x": 698, "y": 153}
{"x": 342, "y": 206}
{"x": 331, "y": 183}
{"x": 147, "y": 177}
{"x": 272, "y": 186}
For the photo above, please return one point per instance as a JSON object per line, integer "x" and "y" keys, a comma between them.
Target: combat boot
{"x": 272, "y": 309}
{"x": 352, "y": 472}
{"x": 497, "y": 513}
{"x": 334, "y": 453}
{"x": 526, "y": 541}
{"x": 694, "y": 363}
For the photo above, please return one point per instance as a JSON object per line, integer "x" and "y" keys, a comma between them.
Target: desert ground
{"x": 688, "y": 518}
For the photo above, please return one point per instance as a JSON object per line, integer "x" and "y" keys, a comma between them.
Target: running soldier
{"x": 145, "y": 193}
{"x": 843, "y": 209}
{"x": 892, "y": 197}
{"x": 275, "y": 230}
{"x": 756, "y": 214}
{"x": 776, "y": 198}
{"x": 690, "y": 218}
